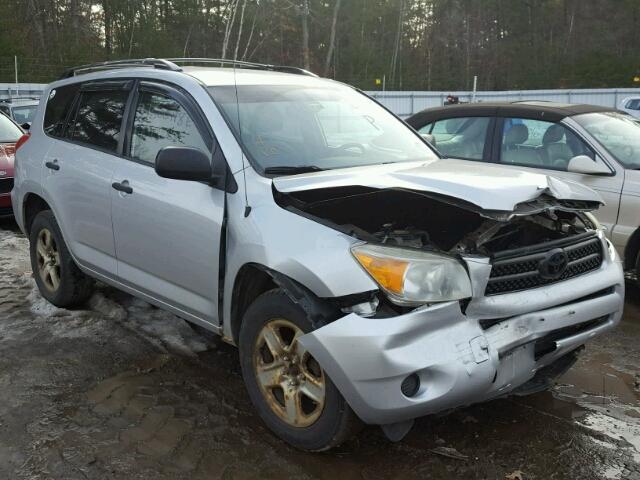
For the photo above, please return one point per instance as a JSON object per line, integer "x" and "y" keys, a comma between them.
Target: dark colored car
{"x": 10, "y": 133}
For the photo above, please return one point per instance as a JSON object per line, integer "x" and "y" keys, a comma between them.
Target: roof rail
{"x": 109, "y": 65}
{"x": 243, "y": 64}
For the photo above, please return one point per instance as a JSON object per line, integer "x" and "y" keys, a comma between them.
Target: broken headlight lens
{"x": 411, "y": 277}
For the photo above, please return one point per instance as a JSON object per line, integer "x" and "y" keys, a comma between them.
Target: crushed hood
{"x": 488, "y": 187}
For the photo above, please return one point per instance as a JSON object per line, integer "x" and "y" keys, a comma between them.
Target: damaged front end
{"x": 475, "y": 302}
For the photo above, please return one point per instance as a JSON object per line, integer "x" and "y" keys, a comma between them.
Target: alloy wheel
{"x": 290, "y": 379}
{"x": 48, "y": 258}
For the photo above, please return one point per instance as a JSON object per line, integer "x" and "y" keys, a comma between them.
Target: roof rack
{"x": 243, "y": 64}
{"x": 171, "y": 64}
{"x": 109, "y": 65}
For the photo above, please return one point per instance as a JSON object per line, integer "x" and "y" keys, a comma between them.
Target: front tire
{"x": 59, "y": 279}
{"x": 293, "y": 395}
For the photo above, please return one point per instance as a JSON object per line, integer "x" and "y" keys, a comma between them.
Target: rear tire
{"x": 59, "y": 279}
{"x": 290, "y": 377}
{"x": 637, "y": 271}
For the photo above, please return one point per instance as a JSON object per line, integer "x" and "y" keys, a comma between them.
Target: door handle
{"x": 122, "y": 187}
{"x": 53, "y": 165}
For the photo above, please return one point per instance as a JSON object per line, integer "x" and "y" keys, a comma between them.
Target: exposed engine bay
{"x": 412, "y": 219}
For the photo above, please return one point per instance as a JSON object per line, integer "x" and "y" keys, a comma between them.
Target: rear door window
{"x": 460, "y": 137}
{"x": 98, "y": 118}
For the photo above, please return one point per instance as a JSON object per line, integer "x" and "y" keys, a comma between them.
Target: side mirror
{"x": 429, "y": 138}
{"x": 183, "y": 163}
{"x": 586, "y": 165}
{"x": 26, "y": 126}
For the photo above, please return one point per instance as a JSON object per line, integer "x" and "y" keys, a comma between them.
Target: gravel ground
{"x": 121, "y": 389}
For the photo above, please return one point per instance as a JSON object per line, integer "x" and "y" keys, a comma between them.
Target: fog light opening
{"x": 410, "y": 385}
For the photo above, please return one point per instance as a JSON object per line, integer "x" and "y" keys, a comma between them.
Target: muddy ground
{"x": 124, "y": 390}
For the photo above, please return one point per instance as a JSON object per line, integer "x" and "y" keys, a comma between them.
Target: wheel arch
{"x": 31, "y": 206}
{"x": 631, "y": 250}
{"x": 254, "y": 279}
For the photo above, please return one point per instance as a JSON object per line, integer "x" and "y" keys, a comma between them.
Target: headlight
{"x": 412, "y": 277}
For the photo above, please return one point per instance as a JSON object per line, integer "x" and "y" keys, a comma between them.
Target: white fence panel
{"x": 408, "y": 103}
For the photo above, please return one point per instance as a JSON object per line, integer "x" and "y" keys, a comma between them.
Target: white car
{"x": 592, "y": 145}
{"x": 631, "y": 105}
{"x": 363, "y": 278}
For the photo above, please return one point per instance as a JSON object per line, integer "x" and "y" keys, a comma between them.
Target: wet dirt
{"x": 121, "y": 389}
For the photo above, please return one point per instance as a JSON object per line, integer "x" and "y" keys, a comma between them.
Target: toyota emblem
{"x": 3, "y": 173}
{"x": 554, "y": 264}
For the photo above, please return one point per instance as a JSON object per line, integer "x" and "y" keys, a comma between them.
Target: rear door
{"x": 167, "y": 232}
{"x": 85, "y": 123}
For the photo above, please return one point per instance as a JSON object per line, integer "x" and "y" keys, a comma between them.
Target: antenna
{"x": 247, "y": 208}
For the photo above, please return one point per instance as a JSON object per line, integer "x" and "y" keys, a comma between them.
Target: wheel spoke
{"x": 292, "y": 407}
{"x": 313, "y": 389}
{"x": 40, "y": 249}
{"x": 273, "y": 340}
{"x": 46, "y": 234}
{"x": 55, "y": 277}
{"x": 269, "y": 375}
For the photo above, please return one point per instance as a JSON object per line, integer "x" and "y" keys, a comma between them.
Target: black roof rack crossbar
{"x": 109, "y": 65}
{"x": 243, "y": 64}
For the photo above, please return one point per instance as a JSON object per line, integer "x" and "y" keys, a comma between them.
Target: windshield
{"x": 619, "y": 133}
{"x": 24, "y": 114}
{"x": 9, "y": 131}
{"x": 285, "y": 128}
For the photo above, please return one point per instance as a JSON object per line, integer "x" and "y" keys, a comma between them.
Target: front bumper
{"x": 496, "y": 345}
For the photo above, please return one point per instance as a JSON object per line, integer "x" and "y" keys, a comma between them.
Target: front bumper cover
{"x": 457, "y": 360}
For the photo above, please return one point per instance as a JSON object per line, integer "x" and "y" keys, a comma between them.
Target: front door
{"x": 547, "y": 147}
{"x": 167, "y": 232}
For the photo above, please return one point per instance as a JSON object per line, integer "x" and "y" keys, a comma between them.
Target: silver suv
{"x": 363, "y": 279}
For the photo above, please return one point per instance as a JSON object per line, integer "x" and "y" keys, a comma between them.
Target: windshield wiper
{"x": 292, "y": 170}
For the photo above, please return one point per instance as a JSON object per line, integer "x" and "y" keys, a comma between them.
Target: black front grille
{"x": 6, "y": 185}
{"x": 516, "y": 270}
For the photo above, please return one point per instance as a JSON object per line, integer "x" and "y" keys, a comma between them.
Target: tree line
{"x": 410, "y": 44}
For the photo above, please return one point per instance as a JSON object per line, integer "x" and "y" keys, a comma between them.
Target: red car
{"x": 10, "y": 133}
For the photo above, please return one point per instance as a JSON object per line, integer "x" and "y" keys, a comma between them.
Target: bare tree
{"x": 396, "y": 50}
{"x": 235, "y": 52}
{"x": 304, "y": 13}
{"x": 332, "y": 38}
{"x": 233, "y": 4}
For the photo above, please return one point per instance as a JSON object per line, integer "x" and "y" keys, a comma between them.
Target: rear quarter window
{"x": 58, "y": 106}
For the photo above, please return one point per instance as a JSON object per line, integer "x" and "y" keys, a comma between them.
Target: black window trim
{"x": 227, "y": 182}
{"x": 183, "y": 99}
{"x": 73, "y": 111}
{"x": 92, "y": 86}
{"x": 217, "y": 158}
{"x": 497, "y": 145}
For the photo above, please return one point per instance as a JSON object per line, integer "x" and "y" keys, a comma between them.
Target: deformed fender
{"x": 319, "y": 311}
